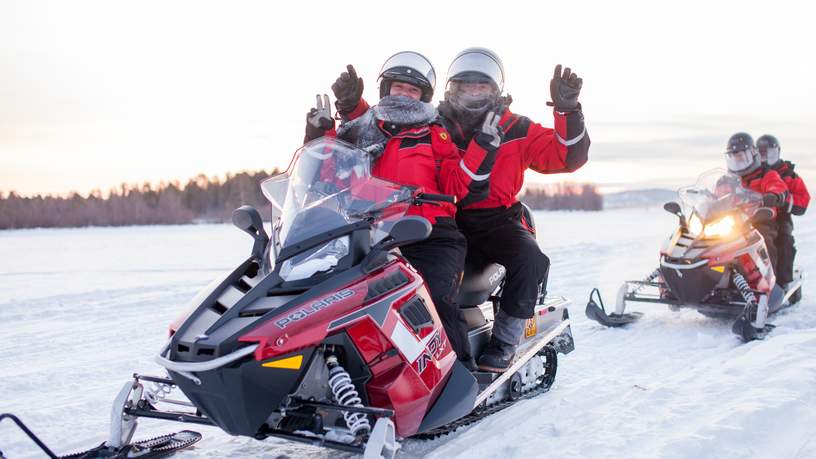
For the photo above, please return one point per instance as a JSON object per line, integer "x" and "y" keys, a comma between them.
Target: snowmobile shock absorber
{"x": 744, "y": 289}
{"x": 648, "y": 279}
{"x": 345, "y": 394}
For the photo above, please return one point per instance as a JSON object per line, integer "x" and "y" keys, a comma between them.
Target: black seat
{"x": 478, "y": 283}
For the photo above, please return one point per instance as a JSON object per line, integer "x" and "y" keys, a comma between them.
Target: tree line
{"x": 201, "y": 199}
{"x": 563, "y": 196}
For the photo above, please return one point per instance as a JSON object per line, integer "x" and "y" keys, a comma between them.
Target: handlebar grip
{"x": 438, "y": 197}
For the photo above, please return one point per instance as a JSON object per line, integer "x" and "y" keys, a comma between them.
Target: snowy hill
{"x": 639, "y": 198}
{"x": 82, "y": 309}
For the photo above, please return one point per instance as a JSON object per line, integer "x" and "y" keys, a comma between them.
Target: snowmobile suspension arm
{"x": 168, "y": 415}
{"x": 379, "y": 412}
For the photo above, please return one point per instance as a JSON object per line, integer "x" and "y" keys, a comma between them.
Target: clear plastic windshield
{"x": 329, "y": 185}
{"x": 718, "y": 191}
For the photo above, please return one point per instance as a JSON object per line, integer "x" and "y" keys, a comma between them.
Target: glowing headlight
{"x": 720, "y": 228}
{"x": 695, "y": 226}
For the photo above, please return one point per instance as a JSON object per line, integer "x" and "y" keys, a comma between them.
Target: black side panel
{"x": 478, "y": 283}
{"x": 455, "y": 401}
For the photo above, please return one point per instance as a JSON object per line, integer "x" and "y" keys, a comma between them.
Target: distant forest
{"x": 203, "y": 199}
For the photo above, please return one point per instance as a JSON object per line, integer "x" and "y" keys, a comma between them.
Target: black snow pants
{"x": 768, "y": 230}
{"x": 502, "y": 235}
{"x": 441, "y": 260}
{"x": 785, "y": 248}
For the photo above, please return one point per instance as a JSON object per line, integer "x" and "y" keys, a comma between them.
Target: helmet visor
{"x": 739, "y": 160}
{"x": 477, "y": 62}
{"x": 771, "y": 155}
{"x": 412, "y": 61}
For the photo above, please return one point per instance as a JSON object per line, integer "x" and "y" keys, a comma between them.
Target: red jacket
{"x": 483, "y": 179}
{"x": 410, "y": 158}
{"x": 796, "y": 186}
{"x": 765, "y": 180}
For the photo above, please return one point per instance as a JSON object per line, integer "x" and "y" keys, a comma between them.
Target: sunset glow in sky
{"x": 96, "y": 93}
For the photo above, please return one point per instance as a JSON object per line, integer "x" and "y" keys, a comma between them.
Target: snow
{"x": 82, "y": 309}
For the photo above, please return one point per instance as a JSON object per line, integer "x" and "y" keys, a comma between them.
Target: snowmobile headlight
{"x": 320, "y": 259}
{"x": 721, "y": 228}
{"x": 695, "y": 225}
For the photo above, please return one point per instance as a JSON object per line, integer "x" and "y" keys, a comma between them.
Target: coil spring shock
{"x": 345, "y": 394}
{"x": 157, "y": 392}
{"x": 744, "y": 288}
{"x": 747, "y": 294}
{"x": 648, "y": 278}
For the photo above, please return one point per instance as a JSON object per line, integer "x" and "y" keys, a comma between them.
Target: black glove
{"x": 564, "y": 90}
{"x": 773, "y": 199}
{"x": 319, "y": 119}
{"x": 348, "y": 89}
{"x": 490, "y": 135}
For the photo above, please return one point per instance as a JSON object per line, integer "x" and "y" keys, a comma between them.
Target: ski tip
{"x": 611, "y": 320}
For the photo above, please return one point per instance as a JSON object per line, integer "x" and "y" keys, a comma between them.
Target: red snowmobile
{"x": 326, "y": 335}
{"x": 715, "y": 262}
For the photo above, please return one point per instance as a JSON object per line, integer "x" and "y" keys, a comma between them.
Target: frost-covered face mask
{"x": 474, "y": 97}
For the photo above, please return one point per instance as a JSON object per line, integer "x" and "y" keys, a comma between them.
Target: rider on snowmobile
{"x": 771, "y": 154}
{"x": 743, "y": 159}
{"x": 488, "y": 179}
{"x": 399, "y": 134}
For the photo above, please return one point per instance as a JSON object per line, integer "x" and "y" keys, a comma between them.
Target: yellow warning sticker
{"x": 530, "y": 327}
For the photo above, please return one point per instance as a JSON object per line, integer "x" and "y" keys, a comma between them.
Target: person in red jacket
{"x": 398, "y": 133}
{"x": 496, "y": 147}
{"x": 771, "y": 153}
{"x": 743, "y": 159}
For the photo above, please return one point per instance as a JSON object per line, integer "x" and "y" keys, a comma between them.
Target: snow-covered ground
{"x": 82, "y": 309}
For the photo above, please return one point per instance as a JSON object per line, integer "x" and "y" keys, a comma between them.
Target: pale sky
{"x": 96, "y": 93}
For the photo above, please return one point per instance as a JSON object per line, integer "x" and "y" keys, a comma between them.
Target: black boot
{"x": 497, "y": 356}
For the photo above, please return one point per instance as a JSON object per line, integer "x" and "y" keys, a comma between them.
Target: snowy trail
{"x": 80, "y": 310}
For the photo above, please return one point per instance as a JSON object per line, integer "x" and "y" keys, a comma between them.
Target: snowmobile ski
{"x": 152, "y": 448}
{"x": 597, "y": 312}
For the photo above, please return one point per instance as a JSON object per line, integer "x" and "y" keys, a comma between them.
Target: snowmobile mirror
{"x": 406, "y": 231}
{"x": 763, "y": 214}
{"x": 248, "y": 220}
{"x": 674, "y": 208}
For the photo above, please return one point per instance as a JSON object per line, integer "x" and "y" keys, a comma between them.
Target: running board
{"x": 528, "y": 354}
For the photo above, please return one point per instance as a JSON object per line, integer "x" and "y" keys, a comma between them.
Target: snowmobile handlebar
{"x": 431, "y": 197}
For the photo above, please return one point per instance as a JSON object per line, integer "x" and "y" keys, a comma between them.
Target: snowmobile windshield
{"x": 717, "y": 192}
{"x": 329, "y": 185}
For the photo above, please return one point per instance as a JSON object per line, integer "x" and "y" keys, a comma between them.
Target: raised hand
{"x": 564, "y": 89}
{"x": 348, "y": 89}
{"x": 490, "y": 135}
{"x": 320, "y": 116}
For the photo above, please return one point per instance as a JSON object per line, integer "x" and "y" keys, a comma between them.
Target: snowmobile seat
{"x": 478, "y": 282}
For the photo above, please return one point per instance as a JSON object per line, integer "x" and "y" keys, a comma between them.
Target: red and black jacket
{"x": 484, "y": 179}
{"x": 796, "y": 186}
{"x": 410, "y": 158}
{"x": 766, "y": 180}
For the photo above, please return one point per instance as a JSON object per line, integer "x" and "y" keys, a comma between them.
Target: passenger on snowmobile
{"x": 488, "y": 178}
{"x": 771, "y": 154}
{"x": 398, "y": 132}
{"x": 743, "y": 159}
